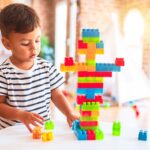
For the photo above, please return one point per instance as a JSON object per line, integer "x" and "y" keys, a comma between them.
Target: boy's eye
{"x": 38, "y": 41}
{"x": 25, "y": 44}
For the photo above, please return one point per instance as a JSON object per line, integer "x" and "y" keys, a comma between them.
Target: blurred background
{"x": 124, "y": 28}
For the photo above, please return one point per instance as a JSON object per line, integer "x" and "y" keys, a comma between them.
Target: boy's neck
{"x": 22, "y": 65}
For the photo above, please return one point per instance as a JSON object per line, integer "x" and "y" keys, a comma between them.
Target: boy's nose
{"x": 33, "y": 48}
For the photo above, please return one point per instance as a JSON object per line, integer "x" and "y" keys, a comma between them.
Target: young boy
{"x": 27, "y": 83}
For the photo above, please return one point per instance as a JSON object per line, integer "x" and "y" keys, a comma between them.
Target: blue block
{"x": 142, "y": 136}
{"x": 80, "y": 134}
{"x": 88, "y": 90}
{"x": 90, "y": 33}
{"x": 100, "y": 44}
{"x": 107, "y": 67}
{"x": 75, "y": 124}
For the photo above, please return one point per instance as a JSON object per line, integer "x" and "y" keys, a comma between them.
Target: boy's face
{"x": 24, "y": 46}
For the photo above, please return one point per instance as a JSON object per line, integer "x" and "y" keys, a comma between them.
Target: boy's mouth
{"x": 33, "y": 56}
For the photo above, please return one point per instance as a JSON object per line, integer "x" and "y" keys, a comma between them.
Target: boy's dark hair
{"x": 18, "y": 18}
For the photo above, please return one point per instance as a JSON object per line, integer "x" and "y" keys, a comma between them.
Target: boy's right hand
{"x": 30, "y": 118}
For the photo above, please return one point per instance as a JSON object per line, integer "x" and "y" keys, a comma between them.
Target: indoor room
{"x": 98, "y": 56}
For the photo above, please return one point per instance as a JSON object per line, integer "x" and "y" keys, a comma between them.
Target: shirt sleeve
{"x": 3, "y": 84}
{"x": 56, "y": 79}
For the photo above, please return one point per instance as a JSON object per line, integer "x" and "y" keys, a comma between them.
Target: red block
{"x": 81, "y": 99}
{"x": 94, "y": 74}
{"x": 90, "y": 85}
{"x": 88, "y": 123}
{"x": 90, "y": 135}
{"x": 85, "y": 113}
{"x": 69, "y": 61}
{"x": 82, "y": 45}
{"x": 119, "y": 62}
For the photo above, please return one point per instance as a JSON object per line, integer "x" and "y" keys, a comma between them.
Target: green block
{"x": 99, "y": 134}
{"x": 90, "y": 79}
{"x": 90, "y": 106}
{"x": 116, "y": 128}
{"x": 90, "y": 62}
{"x": 89, "y": 128}
{"x": 91, "y": 39}
{"x": 95, "y": 118}
{"x": 49, "y": 125}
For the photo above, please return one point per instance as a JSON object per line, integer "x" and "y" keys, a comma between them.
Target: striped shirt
{"x": 29, "y": 90}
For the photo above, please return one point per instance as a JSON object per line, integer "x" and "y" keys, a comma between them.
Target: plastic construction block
{"x": 49, "y": 125}
{"x": 69, "y": 61}
{"x": 90, "y": 113}
{"x": 90, "y": 79}
{"x": 90, "y": 106}
{"x": 91, "y": 62}
{"x": 82, "y": 45}
{"x": 91, "y": 68}
{"x": 80, "y": 134}
{"x": 135, "y": 108}
{"x": 75, "y": 124}
{"x": 94, "y": 74}
{"x": 47, "y": 136}
{"x": 100, "y": 44}
{"x": 82, "y": 51}
{"x": 64, "y": 68}
{"x": 116, "y": 128}
{"x": 91, "y": 39}
{"x": 88, "y": 123}
{"x": 81, "y": 99}
{"x": 88, "y": 127}
{"x": 142, "y": 136}
{"x": 37, "y": 132}
{"x": 100, "y": 51}
{"x": 90, "y": 33}
{"x": 119, "y": 62}
{"x": 90, "y": 85}
{"x": 90, "y": 135}
{"x": 107, "y": 67}
{"x": 89, "y": 92}
{"x": 81, "y": 67}
{"x": 89, "y": 118}
{"x": 99, "y": 134}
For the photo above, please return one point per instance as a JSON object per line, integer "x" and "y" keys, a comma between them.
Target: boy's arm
{"x": 13, "y": 113}
{"x": 63, "y": 105}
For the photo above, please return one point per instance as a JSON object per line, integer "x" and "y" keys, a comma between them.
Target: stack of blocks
{"x": 90, "y": 84}
{"x": 47, "y": 134}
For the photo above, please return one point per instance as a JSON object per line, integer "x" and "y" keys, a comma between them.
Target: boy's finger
{"x": 38, "y": 120}
{"x": 38, "y": 116}
{"x": 29, "y": 128}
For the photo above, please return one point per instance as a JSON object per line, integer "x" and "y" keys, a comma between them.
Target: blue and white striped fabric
{"x": 29, "y": 90}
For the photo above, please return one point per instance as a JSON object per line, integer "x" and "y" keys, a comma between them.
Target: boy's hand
{"x": 71, "y": 117}
{"x": 30, "y": 118}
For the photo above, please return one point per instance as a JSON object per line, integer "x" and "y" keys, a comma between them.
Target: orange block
{"x": 36, "y": 133}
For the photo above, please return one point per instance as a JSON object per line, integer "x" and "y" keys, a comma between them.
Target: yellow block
{"x": 64, "y": 68}
{"x": 95, "y": 113}
{"x": 47, "y": 136}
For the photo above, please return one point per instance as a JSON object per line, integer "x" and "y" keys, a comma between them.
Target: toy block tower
{"x": 90, "y": 83}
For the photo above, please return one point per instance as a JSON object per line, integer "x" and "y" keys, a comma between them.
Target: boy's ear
{"x": 6, "y": 43}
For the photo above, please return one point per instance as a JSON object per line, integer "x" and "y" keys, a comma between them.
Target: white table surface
{"x": 18, "y": 138}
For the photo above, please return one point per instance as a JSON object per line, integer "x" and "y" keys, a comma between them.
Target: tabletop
{"x": 18, "y": 138}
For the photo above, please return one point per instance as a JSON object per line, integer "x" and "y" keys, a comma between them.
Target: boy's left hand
{"x": 71, "y": 117}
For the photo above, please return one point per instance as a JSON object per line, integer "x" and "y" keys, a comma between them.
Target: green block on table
{"x": 116, "y": 129}
{"x": 49, "y": 125}
{"x": 99, "y": 134}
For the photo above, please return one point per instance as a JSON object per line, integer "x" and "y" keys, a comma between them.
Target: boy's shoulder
{"x": 4, "y": 64}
